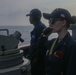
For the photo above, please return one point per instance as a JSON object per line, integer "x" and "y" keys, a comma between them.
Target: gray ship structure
{"x": 12, "y": 61}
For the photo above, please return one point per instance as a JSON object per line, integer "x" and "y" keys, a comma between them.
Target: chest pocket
{"x": 59, "y": 52}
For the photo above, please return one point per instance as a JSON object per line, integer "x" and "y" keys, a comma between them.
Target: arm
{"x": 71, "y": 70}
{"x": 41, "y": 49}
{"x": 24, "y": 47}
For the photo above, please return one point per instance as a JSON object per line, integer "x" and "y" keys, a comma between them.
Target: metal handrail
{"x": 5, "y": 30}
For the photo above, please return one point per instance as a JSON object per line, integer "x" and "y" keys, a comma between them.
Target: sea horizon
{"x": 25, "y": 31}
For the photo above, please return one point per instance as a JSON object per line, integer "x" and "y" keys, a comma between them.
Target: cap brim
{"x": 28, "y": 15}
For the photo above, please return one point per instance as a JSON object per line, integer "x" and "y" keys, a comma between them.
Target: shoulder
{"x": 41, "y": 25}
{"x": 71, "y": 43}
{"x": 69, "y": 40}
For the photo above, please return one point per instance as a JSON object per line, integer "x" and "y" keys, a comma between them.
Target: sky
{"x": 13, "y": 12}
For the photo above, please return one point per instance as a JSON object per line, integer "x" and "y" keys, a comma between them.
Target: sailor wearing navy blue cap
{"x": 59, "y": 50}
{"x": 36, "y": 58}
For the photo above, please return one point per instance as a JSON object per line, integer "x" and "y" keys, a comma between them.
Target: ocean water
{"x": 24, "y": 30}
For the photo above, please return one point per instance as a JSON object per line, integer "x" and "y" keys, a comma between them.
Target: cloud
{"x": 14, "y": 11}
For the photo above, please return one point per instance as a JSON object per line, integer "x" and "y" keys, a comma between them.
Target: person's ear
{"x": 63, "y": 22}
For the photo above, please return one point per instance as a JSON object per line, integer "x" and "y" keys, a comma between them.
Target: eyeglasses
{"x": 53, "y": 20}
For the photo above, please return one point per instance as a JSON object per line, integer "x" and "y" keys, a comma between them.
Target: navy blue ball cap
{"x": 35, "y": 12}
{"x": 59, "y": 13}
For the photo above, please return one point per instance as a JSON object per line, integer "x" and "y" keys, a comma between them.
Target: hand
{"x": 47, "y": 31}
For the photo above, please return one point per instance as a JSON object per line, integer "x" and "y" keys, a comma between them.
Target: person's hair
{"x": 74, "y": 18}
{"x": 73, "y": 21}
{"x": 68, "y": 24}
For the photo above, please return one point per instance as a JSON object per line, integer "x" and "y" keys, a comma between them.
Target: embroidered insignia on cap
{"x": 62, "y": 15}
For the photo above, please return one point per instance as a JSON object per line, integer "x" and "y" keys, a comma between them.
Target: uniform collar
{"x": 63, "y": 41}
{"x": 37, "y": 24}
{"x": 66, "y": 37}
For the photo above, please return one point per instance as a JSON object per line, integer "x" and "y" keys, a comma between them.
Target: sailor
{"x": 59, "y": 56}
{"x": 36, "y": 58}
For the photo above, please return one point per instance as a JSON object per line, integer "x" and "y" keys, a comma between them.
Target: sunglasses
{"x": 53, "y": 20}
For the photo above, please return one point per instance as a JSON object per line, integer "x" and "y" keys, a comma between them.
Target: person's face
{"x": 31, "y": 19}
{"x": 56, "y": 24}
